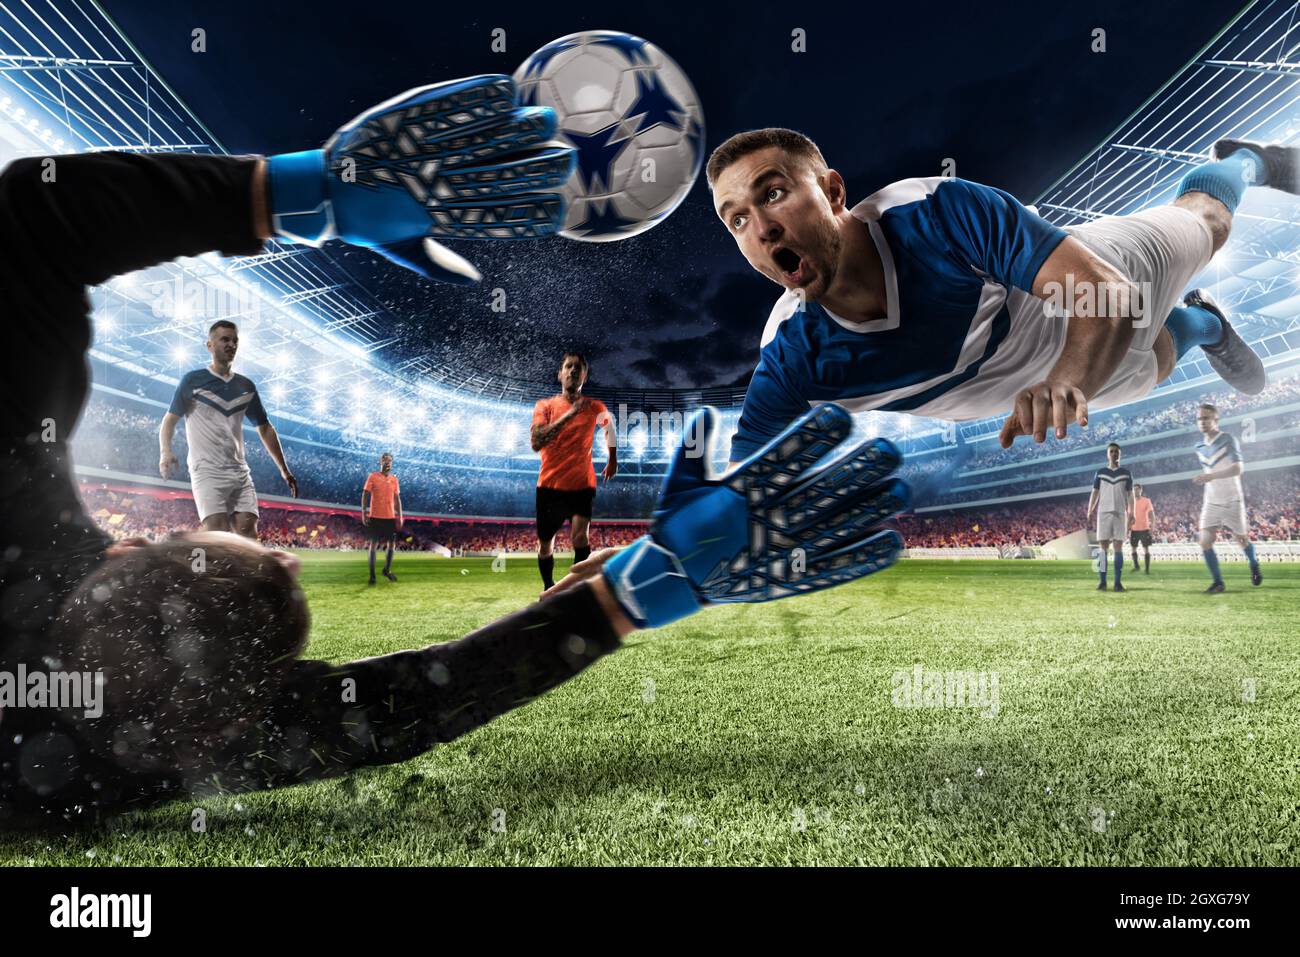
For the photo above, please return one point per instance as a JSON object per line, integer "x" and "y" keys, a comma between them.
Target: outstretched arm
{"x": 337, "y": 717}
{"x": 106, "y": 214}
{"x": 1099, "y": 330}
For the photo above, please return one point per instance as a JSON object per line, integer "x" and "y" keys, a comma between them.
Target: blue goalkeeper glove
{"x": 791, "y": 519}
{"x": 457, "y": 160}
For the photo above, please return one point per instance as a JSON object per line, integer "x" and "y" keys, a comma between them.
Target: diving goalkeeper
{"x": 204, "y": 687}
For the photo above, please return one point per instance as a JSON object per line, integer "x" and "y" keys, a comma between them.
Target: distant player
{"x": 928, "y": 297}
{"x": 1112, "y": 502}
{"x": 214, "y": 401}
{"x": 1144, "y": 518}
{"x": 563, "y": 428}
{"x": 382, "y": 515}
{"x": 1225, "y": 502}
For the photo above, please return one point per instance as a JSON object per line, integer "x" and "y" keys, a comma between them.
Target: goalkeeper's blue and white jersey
{"x": 962, "y": 333}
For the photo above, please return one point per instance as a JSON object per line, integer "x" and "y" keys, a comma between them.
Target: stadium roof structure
{"x": 1244, "y": 83}
{"x": 71, "y": 81}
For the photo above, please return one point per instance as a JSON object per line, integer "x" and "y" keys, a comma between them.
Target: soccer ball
{"x": 635, "y": 121}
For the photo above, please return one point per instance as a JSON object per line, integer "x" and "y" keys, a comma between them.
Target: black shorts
{"x": 555, "y": 507}
{"x": 382, "y": 529}
{"x": 1140, "y": 538}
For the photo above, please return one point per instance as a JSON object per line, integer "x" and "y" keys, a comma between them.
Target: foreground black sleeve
{"x": 90, "y": 217}
{"x": 329, "y": 719}
{"x": 323, "y": 720}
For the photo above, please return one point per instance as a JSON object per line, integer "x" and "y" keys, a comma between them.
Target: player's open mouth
{"x": 790, "y": 263}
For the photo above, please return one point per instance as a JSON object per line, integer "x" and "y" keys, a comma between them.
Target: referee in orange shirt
{"x": 384, "y": 516}
{"x": 563, "y": 428}
{"x": 1144, "y": 515}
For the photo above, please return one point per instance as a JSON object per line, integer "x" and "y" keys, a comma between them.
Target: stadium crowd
{"x": 130, "y": 513}
{"x": 1147, "y": 460}
{"x": 125, "y": 440}
{"x": 112, "y": 437}
{"x": 1272, "y": 503}
{"x": 1118, "y": 425}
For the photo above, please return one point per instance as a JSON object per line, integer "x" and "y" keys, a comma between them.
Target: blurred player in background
{"x": 1144, "y": 516}
{"x": 563, "y": 428}
{"x": 382, "y": 516}
{"x": 1225, "y": 502}
{"x": 1112, "y": 502}
{"x": 214, "y": 401}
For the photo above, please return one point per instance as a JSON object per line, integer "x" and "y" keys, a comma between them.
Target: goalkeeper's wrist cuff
{"x": 300, "y": 209}
{"x": 650, "y": 584}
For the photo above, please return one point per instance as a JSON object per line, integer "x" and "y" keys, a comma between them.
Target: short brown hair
{"x": 221, "y": 324}
{"x": 580, "y": 357}
{"x": 1211, "y": 408}
{"x": 193, "y": 640}
{"x": 742, "y": 144}
{"x": 1115, "y": 446}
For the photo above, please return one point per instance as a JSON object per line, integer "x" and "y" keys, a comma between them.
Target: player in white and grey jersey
{"x": 1112, "y": 502}
{"x": 1225, "y": 502}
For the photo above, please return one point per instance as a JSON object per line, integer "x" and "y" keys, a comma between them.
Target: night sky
{"x": 1012, "y": 92}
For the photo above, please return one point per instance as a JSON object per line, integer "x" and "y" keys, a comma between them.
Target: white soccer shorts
{"x": 1229, "y": 515}
{"x": 223, "y": 493}
{"x": 1112, "y": 526}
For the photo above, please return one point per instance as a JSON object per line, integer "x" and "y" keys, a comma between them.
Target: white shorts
{"x": 1112, "y": 526}
{"x": 1229, "y": 515}
{"x": 1163, "y": 249}
{"x": 223, "y": 493}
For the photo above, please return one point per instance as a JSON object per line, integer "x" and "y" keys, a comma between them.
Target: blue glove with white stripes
{"x": 793, "y": 518}
{"x": 457, "y": 160}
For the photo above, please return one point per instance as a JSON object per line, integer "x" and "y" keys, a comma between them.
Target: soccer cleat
{"x": 371, "y": 582}
{"x": 1101, "y": 587}
{"x": 1234, "y": 361}
{"x": 390, "y": 576}
{"x": 1281, "y": 163}
{"x": 1119, "y": 587}
{"x": 1255, "y": 577}
{"x": 1215, "y": 589}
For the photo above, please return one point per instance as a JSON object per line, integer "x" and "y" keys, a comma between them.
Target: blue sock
{"x": 1250, "y": 555}
{"x": 1101, "y": 567}
{"x": 1226, "y": 180}
{"x": 1193, "y": 326}
{"x": 1119, "y": 566}
{"x": 1212, "y": 560}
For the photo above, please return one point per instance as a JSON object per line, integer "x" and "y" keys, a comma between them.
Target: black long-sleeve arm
{"x": 329, "y": 719}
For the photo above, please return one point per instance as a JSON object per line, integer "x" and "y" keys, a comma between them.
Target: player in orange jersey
{"x": 563, "y": 428}
{"x": 1144, "y": 517}
{"x": 383, "y": 517}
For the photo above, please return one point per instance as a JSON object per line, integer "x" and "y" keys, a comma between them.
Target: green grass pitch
{"x": 1161, "y": 726}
